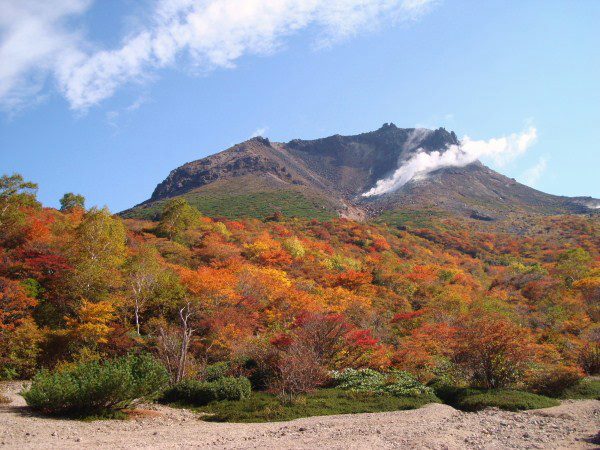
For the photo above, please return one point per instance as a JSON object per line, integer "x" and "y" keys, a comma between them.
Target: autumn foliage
{"x": 287, "y": 300}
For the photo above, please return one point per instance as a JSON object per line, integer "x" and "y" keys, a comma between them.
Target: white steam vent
{"x": 500, "y": 150}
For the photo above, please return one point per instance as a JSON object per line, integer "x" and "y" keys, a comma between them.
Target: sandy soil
{"x": 572, "y": 425}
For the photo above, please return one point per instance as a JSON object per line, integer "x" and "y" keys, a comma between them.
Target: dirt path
{"x": 572, "y": 425}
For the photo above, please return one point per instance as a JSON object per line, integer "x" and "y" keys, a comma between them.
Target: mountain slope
{"x": 326, "y": 177}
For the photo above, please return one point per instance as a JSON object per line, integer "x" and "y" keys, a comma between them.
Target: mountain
{"x": 327, "y": 177}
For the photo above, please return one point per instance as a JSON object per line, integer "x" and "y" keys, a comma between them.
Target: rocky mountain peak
{"x": 332, "y": 173}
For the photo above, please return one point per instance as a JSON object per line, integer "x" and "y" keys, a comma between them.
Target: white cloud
{"x": 136, "y": 104}
{"x": 261, "y": 131}
{"x": 114, "y": 118}
{"x": 32, "y": 37}
{"x": 532, "y": 176}
{"x": 499, "y": 150}
{"x": 36, "y": 40}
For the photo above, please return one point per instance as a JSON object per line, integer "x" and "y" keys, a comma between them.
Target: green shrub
{"x": 507, "y": 399}
{"x": 260, "y": 369}
{"x": 8, "y": 373}
{"x": 586, "y": 388}
{"x": 403, "y": 384}
{"x": 230, "y": 388}
{"x": 447, "y": 392}
{"x": 192, "y": 392}
{"x": 215, "y": 371}
{"x": 199, "y": 393}
{"x": 397, "y": 383}
{"x": 94, "y": 386}
{"x": 358, "y": 380}
{"x": 264, "y": 407}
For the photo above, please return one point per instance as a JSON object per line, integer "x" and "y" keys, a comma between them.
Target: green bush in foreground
{"x": 398, "y": 383}
{"x": 230, "y": 388}
{"x": 213, "y": 372}
{"x": 477, "y": 399}
{"x": 358, "y": 380}
{"x": 264, "y": 407}
{"x": 586, "y": 388}
{"x": 92, "y": 387}
{"x": 194, "y": 392}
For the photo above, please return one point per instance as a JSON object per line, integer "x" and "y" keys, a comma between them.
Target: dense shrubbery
{"x": 264, "y": 407}
{"x": 358, "y": 380}
{"x": 189, "y": 391}
{"x": 285, "y": 301}
{"x": 199, "y": 393}
{"x": 554, "y": 381}
{"x": 215, "y": 371}
{"x": 587, "y": 388}
{"x": 468, "y": 399}
{"x": 397, "y": 383}
{"x": 94, "y": 386}
{"x": 230, "y": 388}
{"x": 510, "y": 400}
{"x": 296, "y": 370}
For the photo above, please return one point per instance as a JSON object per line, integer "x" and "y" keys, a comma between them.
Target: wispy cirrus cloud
{"x": 33, "y": 36}
{"x": 41, "y": 41}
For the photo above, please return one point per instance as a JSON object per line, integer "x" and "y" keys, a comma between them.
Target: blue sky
{"x": 104, "y": 98}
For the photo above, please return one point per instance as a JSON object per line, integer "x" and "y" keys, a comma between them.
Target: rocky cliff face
{"x": 250, "y": 157}
{"x": 332, "y": 173}
{"x": 353, "y": 164}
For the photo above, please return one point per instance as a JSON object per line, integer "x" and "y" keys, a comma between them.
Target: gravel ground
{"x": 572, "y": 425}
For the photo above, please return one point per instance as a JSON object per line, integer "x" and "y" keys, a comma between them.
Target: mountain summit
{"x": 329, "y": 177}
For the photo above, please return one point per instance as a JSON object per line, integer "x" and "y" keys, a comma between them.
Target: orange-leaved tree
{"x": 493, "y": 350}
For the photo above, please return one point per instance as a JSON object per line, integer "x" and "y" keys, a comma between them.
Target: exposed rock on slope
{"x": 327, "y": 177}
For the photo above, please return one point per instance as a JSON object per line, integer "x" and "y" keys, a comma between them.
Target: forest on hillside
{"x": 285, "y": 301}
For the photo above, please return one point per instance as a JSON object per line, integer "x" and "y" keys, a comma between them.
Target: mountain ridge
{"x": 332, "y": 173}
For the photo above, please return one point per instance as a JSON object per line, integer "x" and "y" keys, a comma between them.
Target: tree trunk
{"x": 137, "y": 316}
{"x": 186, "y": 335}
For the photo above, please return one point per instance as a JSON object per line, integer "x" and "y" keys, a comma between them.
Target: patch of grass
{"x": 258, "y": 205}
{"x": 263, "y": 407}
{"x": 421, "y": 218}
{"x": 111, "y": 414}
{"x": 468, "y": 399}
{"x": 588, "y": 388}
